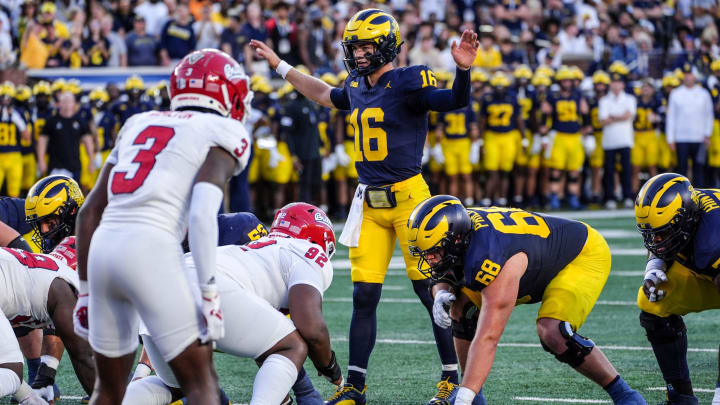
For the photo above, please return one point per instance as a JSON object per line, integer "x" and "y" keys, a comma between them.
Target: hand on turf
{"x": 265, "y": 52}
{"x": 215, "y": 327}
{"x": 80, "y": 316}
{"x": 43, "y": 384}
{"x": 34, "y": 399}
{"x": 652, "y": 279}
{"x": 464, "y": 53}
{"x": 443, "y": 300}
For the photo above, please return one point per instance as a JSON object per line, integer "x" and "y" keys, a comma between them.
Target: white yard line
{"x": 564, "y": 400}
{"x": 600, "y": 214}
{"x": 619, "y": 234}
{"x": 415, "y": 299}
{"x": 694, "y": 389}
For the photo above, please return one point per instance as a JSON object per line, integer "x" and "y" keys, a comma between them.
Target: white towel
{"x": 351, "y": 232}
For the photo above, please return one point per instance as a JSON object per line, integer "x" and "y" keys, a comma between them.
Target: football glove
{"x": 342, "y": 157}
{"x": 441, "y": 306}
{"x": 275, "y": 158}
{"x": 43, "y": 384}
{"x": 475, "y": 151}
{"x": 26, "y": 396}
{"x": 97, "y": 160}
{"x": 589, "y": 144}
{"x": 33, "y": 399}
{"x": 537, "y": 145}
{"x": 332, "y": 371}
{"x": 215, "y": 328}
{"x": 80, "y": 313}
{"x": 437, "y": 154}
{"x": 425, "y": 156}
{"x": 654, "y": 275}
{"x": 329, "y": 164}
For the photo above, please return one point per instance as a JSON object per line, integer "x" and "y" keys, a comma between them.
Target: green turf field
{"x": 405, "y": 367}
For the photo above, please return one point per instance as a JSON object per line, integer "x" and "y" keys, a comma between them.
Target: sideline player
{"x": 165, "y": 175}
{"x": 679, "y": 225}
{"x": 287, "y": 271}
{"x": 389, "y": 114}
{"x": 503, "y": 257}
{"x": 39, "y": 290}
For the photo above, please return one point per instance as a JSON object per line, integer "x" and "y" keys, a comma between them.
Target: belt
{"x": 387, "y": 196}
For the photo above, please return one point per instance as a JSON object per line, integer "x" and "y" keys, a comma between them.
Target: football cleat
{"x": 444, "y": 396}
{"x": 348, "y": 395}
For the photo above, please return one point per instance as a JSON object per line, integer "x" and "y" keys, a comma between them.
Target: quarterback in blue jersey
{"x": 389, "y": 114}
{"x": 680, "y": 227}
{"x": 495, "y": 258}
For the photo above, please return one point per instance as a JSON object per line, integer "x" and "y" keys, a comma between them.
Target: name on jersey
{"x": 707, "y": 203}
{"x": 478, "y": 221}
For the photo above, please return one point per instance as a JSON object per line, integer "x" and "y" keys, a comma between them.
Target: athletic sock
{"x": 32, "y": 365}
{"x": 274, "y": 380}
{"x": 363, "y": 330}
{"x": 305, "y": 393}
{"x": 9, "y": 382}
{"x": 617, "y": 388}
{"x": 148, "y": 391}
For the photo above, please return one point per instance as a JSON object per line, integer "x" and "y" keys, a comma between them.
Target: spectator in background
{"x": 96, "y": 47}
{"x": 622, "y": 47}
{"x": 315, "y": 41}
{"x": 141, "y": 46}
{"x": 177, "y": 38}
{"x": 510, "y": 54}
{"x": 550, "y": 53}
{"x": 254, "y": 28}
{"x": 71, "y": 53}
{"x": 123, "y": 17}
{"x": 232, "y": 40}
{"x": 118, "y": 50}
{"x": 207, "y": 32}
{"x": 299, "y": 123}
{"x": 616, "y": 111}
{"x": 688, "y": 125}
{"x": 156, "y": 15}
{"x": 62, "y": 135}
{"x": 33, "y": 52}
{"x": 7, "y": 51}
{"x": 282, "y": 33}
{"x": 425, "y": 53}
{"x": 50, "y": 23}
{"x": 570, "y": 40}
{"x": 488, "y": 56}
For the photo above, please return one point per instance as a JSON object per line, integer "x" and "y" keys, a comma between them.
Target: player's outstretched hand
{"x": 652, "y": 279}
{"x": 80, "y": 316}
{"x": 464, "y": 53}
{"x": 265, "y": 52}
{"x": 211, "y": 312}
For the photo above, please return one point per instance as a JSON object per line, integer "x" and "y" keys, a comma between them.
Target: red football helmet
{"x": 305, "y": 221}
{"x": 66, "y": 252}
{"x": 211, "y": 79}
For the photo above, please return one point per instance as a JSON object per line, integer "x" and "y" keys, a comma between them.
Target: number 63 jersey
{"x": 550, "y": 244}
{"x": 25, "y": 280}
{"x": 157, "y": 155}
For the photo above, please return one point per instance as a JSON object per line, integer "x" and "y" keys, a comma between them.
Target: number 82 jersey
{"x": 550, "y": 244}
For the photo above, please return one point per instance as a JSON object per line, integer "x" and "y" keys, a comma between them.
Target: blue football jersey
{"x": 457, "y": 123}
{"x": 550, "y": 243}
{"x": 390, "y": 128}
{"x": 702, "y": 254}
{"x": 239, "y": 228}
{"x": 500, "y": 112}
{"x": 566, "y": 112}
{"x": 12, "y": 213}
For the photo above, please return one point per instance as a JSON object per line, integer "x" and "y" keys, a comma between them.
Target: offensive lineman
{"x": 165, "y": 175}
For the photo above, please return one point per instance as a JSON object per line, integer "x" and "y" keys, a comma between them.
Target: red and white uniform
{"x": 253, "y": 282}
{"x": 135, "y": 265}
{"x": 25, "y": 280}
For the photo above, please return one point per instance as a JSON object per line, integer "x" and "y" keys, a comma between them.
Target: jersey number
{"x": 499, "y": 115}
{"x": 566, "y": 110}
{"x": 428, "y": 78}
{"x": 8, "y": 134}
{"x": 456, "y": 124}
{"x": 32, "y": 260}
{"x": 510, "y": 220}
{"x": 488, "y": 271}
{"x": 320, "y": 259}
{"x": 371, "y": 142}
{"x": 643, "y": 119}
{"x": 145, "y": 157}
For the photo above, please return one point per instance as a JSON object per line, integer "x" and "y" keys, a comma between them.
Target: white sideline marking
{"x": 73, "y": 397}
{"x": 600, "y": 214}
{"x": 412, "y": 300}
{"x": 627, "y": 273}
{"x": 694, "y": 389}
{"x": 567, "y": 400}
{"x": 619, "y": 234}
{"x": 432, "y": 342}
{"x": 389, "y": 287}
{"x": 628, "y": 252}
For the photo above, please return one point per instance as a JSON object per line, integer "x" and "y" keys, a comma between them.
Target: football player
{"x": 186, "y": 156}
{"x": 500, "y": 121}
{"x": 566, "y": 156}
{"x": 601, "y": 81}
{"x": 133, "y": 102}
{"x": 389, "y": 113}
{"x": 287, "y": 271}
{"x": 14, "y": 130}
{"x": 39, "y": 290}
{"x": 23, "y": 94}
{"x": 714, "y": 148}
{"x": 497, "y": 258}
{"x": 679, "y": 225}
{"x": 523, "y": 75}
{"x": 647, "y": 143}
{"x": 40, "y": 113}
{"x": 667, "y": 158}
{"x": 541, "y": 86}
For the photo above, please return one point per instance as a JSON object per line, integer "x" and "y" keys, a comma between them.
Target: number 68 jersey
{"x": 157, "y": 156}
{"x": 25, "y": 280}
{"x": 550, "y": 244}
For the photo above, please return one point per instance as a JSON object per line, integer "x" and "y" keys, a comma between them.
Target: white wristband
{"x": 465, "y": 396}
{"x": 283, "y": 68}
{"x": 50, "y": 361}
{"x": 23, "y": 392}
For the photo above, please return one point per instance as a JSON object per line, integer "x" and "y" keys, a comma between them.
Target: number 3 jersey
{"x": 269, "y": 267}
{"x": 550, "y": 244}
{"x": 157, "y": 156}
{"x": 25, "y": 280}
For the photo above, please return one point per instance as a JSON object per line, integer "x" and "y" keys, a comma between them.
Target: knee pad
{"x": 662, "y": 330}
{"x": 573, "y": 177}
{"x": 578, "y": 347}
{"x": 466, "y": 327}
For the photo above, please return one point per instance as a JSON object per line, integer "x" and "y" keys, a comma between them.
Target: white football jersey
{"x": 268, "y": 267}
{"x": 157, "y": 156}
{"x": 25, "y": 280}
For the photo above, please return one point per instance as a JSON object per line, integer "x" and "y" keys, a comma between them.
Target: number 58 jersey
{"x": 25, "y": 280}
{"x": 157, "y": 156}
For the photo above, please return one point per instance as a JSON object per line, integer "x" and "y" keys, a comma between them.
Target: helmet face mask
{"x": 450, "y": 253}
{"x": 371, "y": 26}
{"x": 51, "y": 208}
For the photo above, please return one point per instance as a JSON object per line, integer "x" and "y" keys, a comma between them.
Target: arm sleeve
{"x": 203, "y": 228}
{"x": 340, "y": 99}
{"x": 443, "y": 100}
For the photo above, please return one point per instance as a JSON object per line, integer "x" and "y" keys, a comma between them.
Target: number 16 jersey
{"x": 550, "y": 244}
{"x": 157, "y": 156}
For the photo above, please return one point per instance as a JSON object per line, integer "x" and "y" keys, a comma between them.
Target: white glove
{"x": 98, "y": 160}
{"x": 275, "y": 158}
{"x": 441, "y": 306}
{"x": 80, "y": 313}
{"x": 547, "y": 143}
{"x": 26, "y": 396}
{"x": 342, "y": 157}
{"x": 41, "y": 395}
{"x": 437, "y": 154}
{"x": 475, "y": 151}
{"x": 536, "y": 145}
{"x": 589, "y": 144}
{"x": 33, "y": 399}
{"x": 655, "y": 273}
{"x": 425, "y": 156}
{"x": 329, "y": 164}
{"x": 211, "y": 312}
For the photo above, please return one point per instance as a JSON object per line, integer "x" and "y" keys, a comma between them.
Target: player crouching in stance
{"x": 39, "y": 290}
{"x": 288, "y": 271}
{"x": 680, "y": 226}
{"x": 503, "y": 257}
